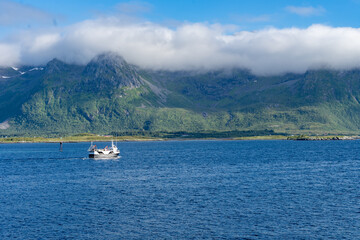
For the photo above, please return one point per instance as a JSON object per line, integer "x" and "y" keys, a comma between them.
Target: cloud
{"x": 190, "y": 46}
{"x": 10, "y": 54}
{"x": 12, "y": 13}
{"x": 305, "y": 11}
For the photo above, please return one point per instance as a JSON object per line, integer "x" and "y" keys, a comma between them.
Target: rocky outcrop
{"x": 111, "y": 70}
{"x": 321, "y": 138}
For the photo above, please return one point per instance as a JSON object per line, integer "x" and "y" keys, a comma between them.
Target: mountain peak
{"x": 55, "y": 61}
{"x": 55, "y": 65}
{"x": 109, "y": 57}
{"x": 112, "y": 70}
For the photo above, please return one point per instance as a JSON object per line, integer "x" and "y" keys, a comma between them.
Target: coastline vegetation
{"x": 165, "y": 136}
{"x": 147, "y": 135}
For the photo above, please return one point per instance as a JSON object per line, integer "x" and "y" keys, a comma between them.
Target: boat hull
{"x": 101, "y": 155}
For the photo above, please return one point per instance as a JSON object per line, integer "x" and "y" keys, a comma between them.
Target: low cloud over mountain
{"x": 189, "y": 46}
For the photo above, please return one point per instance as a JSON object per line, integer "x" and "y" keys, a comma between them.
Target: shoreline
{"x": 147, "y": 139}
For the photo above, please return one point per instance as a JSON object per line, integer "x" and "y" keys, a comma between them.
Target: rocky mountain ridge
{"x": 108, "y": 94}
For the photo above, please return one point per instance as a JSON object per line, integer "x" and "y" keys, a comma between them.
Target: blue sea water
{"x": 182, "y": 190}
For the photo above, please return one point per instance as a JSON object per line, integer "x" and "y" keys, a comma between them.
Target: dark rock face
{"x": 7, "y": 72}
{"x": 56, "y": 66}
{"x": 111, "y": 70}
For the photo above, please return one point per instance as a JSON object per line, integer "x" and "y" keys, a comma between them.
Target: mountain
{"x": 111, "y": 70}
{"x": 111, "y": 95}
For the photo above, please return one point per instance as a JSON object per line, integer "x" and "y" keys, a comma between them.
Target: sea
{"x": 182, "y": 190}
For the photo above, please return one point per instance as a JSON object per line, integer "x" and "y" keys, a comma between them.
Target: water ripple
{"x": 182, "y": 190}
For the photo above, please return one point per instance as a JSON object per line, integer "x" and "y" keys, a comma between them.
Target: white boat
{"x": 107, "y": 152}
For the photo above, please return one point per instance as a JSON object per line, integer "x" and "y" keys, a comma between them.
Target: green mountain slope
{"x": 110, "y": 95}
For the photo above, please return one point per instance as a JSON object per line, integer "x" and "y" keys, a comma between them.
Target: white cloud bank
{"x": 190, "y": 46}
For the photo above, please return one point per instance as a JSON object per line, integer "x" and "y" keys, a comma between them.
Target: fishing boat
{"x": 107, "y": 152}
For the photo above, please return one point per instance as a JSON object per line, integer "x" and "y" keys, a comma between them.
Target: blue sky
{"x": 268, "y": 37}
{"x": 249, "y": 15}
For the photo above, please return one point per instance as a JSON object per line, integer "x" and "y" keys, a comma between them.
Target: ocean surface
{"x": 182, "y": 190}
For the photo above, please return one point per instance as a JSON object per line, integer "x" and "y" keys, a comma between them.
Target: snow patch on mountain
{"x": 4, "y": 125}
{"x": 36, "y": 69}
{"x": 21, "y": 72}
